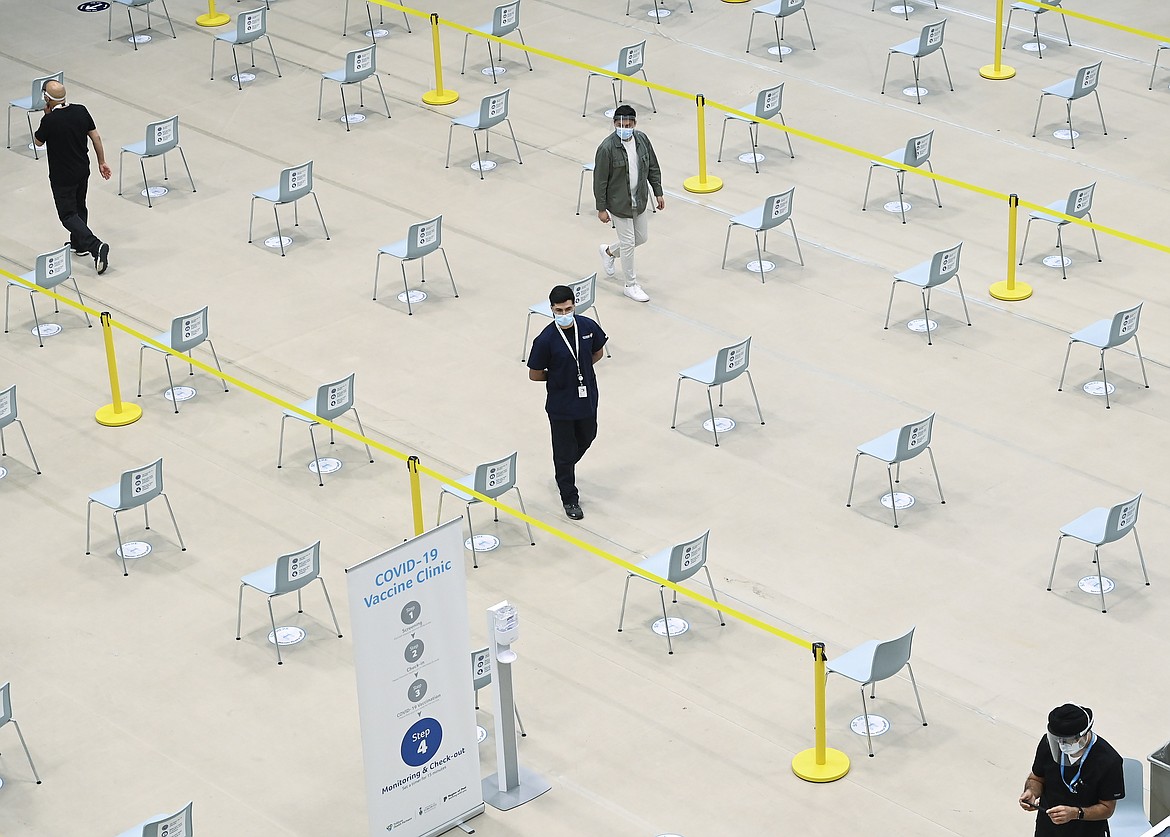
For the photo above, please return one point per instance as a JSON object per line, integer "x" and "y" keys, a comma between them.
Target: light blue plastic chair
{"x": 894, "y": 448}
{"x": 163, "y": 825}
{"x": 370, "y": 17}
{"x": 928, "y": 42}
{"x": 1035, "y": 11}
{"x": 161, "y": 137}
{"x": 332, "y": 401}
{"x": 290, "y": 574}
{"x": 505, "y": 20}
{"x": 6, "y": 718}
{"x": 676, "y": 564}
{"x": 584, "y": 299}
{"x": 1079, "y": 205}
{"x": 779, "y": 11}
{"x": 1108, "y": 334}
{"x": 773, "y": 212}
{"x": 872, "y": 662}
{"x": 296, "y": 182}
{"x": 1099, "y": 527}
{"x": 492, "y": 111}
{"x": 766, "y": 106}
{"x": 8, "y": 416}
{"x": 731, "y": 362}
{"x": 1129, "y": 817}
{"x": 187, "y": 332}
{"x": 136, "y": 4}
{"x": 34, "y": 103}
{"x": 631, "y": 61}
{"x": 53, "y": 268}
{"x": 915, "y": 154}
{"x": 492, "y": 479}
{"x": 360, "y": 64}
{"x": 942, "y": 267}
{"x": 136, "y": 488}
{"x": 421, "y": 240}
{"x": 1071, "y": 89}
{"x": 251, "y": 26}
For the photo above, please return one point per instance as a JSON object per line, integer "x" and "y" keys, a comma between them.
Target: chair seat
{"x": 110, "y": 496}
{"x": 658, "y": 563}
{"x": 611, "y": 71}
{"x": 1027, "y": 7}
{"x": 1058, "y": 206}
{"x": 542, "y": 308}
{"x": 897, "y": 160}
{"x": 164, "y": 338}
{"x": 133, "y": 2}
{"x": 1064, "y": 89}
{"x": 856, "y": 663}
{"x": 26, "y": 103}
{"x": 471, "y": 120}
{"x": 31, "y": 276}
{"x": 1089, "y": 527}
{"x": 309, "y": 405}
{"x": 337, "y": 76}
{"x": 919, "y": 275}
{"x": 485, "y": 28}
{"x": 1096, "y": 335}
{"x": 703, "y": 372}
{"x": 272, "y": 195}
{"x": 398, "y": 248}
{"x": 768, "y": 9}
{"x": 907, "y": 48}
{"x": 263, "y": 580}
{"x": 138, "y": 148}
{"x": 467, "y": 481}
{"x": 750, "y": 107}
{"x": 751, "y": 218}
{"x": 884, "y": 447}
{"x": 230, "y": 37}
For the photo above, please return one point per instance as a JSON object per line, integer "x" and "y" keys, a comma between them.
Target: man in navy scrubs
{"x": 562, "y": 356}
{"x": 1076, "y": 777}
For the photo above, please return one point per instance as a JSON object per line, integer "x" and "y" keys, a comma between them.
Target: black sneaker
{"x": 573, "y": 510}
{"x": 101, "y": 259}
{"x": 76, "y": 252}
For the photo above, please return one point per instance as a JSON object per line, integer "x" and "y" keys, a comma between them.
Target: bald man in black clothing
{"x": 64, "y": 128}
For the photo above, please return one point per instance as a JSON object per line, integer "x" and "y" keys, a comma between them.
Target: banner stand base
{"x": 530, "y": 786}
{"x": 460, "y": 823}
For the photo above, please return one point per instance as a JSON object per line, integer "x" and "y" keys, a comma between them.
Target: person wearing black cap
{"x": 1076, "y": 777}
{"x": 625, "y": 172}
{"x": 562, "y": 356}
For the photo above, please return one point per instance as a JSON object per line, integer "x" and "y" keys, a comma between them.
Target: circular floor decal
{"x": 897, "y": 206}
{"x": 353, "y": 118}
{"x": 275, "y": 242}
{"x": 1064, "y": 134}
{"x": 903, "y": 10}
{"x": 608, "y": 115}
{"x": 287, "y": 635}
{"x": 415, "y": 297}
{"x": 244, "y": 78}
{"x": 916, "y": 92}
{"x": 486, "y": 165}
{"x": 3, "y": 473}
{"x": 722, "y": 425}
{"x": 483, "y": 543}
{"x": 179, "y": 394}
{"x": 1098, "y": 388}
{"x": 754, "y": 266}
{"x": 677, "y": 626}
{"x": 898, "y": 500}
{"x": 1057, "y": 261}
{"x": 780, "y": 50}
{"x": 751, "y": 158}
{"x": 1031, "y": 46}
{"x": 1090, "y": 584}
{"x": 134, "y": 549}
{"x": 325, "y": 465}
{"x": 138, "y": 39}
{"x": 658, "y": 13}
{"x": 877, "y": 725}
{"x": 46, "y": 330}
{"x": 480, "y": 734}
{"x": 499, "y": 71}
{"x": 154, "y": 191}
{"x": 376, "y": 33}
{"x": 922, "y": 326}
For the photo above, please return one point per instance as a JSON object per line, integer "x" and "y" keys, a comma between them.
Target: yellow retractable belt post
{"x": 821, "y": 763}
{"x": 116, "y": 414}
{"x": 998, "y": 71}
{"x": 702, "y": 184}
{"x": 438, "y": 96}
{"x": 416, "y": 495}
{"x": 1009, "y": 289}
{"x": 213, "y": 18}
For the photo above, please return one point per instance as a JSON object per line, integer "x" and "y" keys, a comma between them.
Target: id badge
{"x": 582, "y": 391}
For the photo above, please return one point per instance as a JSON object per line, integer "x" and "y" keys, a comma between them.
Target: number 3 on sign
{"x": 420, "y": 741}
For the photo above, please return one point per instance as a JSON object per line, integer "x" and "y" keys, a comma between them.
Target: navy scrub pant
{"x": 570, "y": 440}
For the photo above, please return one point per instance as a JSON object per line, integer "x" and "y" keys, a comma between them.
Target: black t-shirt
{"x": 549, "y": 352}
{"x": 1096, "y": 777}
{"x": 65, "y": 130}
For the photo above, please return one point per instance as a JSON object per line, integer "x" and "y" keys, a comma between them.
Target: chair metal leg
{"x": 320, "y": 214}
{"x": 276, "y": 640}
{"x": 279, "y": 234}
{"x": 868, "y": 178}
{"x": 649, "y": 93}
{"x": 527, "y": 57}
{"x": 28, "y": 445}
{"x": 251, "y": 213}
{"x": 382, "y": 90}
{"x": 1104, "y": 130}
{"x": 1055, "y": 556}
{"x": 280, "y": 448}
{"x": 1105, "y": 379}
{"x": 316, "y": 456}
{"x": 1100, "y": 580}
{"x": 926, "y": 318}
{"x": 853, "y": 480}
{"x": 27, "y": 754}
{"x": 1064, "y": 369}
{"x": 893, "y": 505}
{"x": 274, "y": 61}
{"x": 1141, "y": 557}
{"x": 1157, "y": 55}
{"x": 362, "y": 430}
{"x": 215, "y": 357}
{"x": 1072, "y": 134}
{"x": 239, "y": 610}
{"x": 865, "y": 714}
{"x": 887, "y": 72}
{"x": 674, "y": 415}
{"x": 585, "y": 103}
{"x": 754, "y": 136}
{"x": 890, "y": 306}
{"x": 515, "y": 144}
{"x": 405, "y": 287}
{"x": 937, "y": 197}
{"x": 471, "y": 539}
{"x": 937, "y": 482}
{"x": 751, "y": 24}
{"x": 520, "y": 723}
{"x": 726, "y": 242}
{"x": 36, "y": 319}
{"x": 752, "y": 385}
{"x": 917, "y": 697}
{"x": 175, "y": 523}
{"x": 625, "y": 594}
{"x": 1142, "y": 361}
{"x": 527, "y": 525}
{"x": 795, "y": 241}
{"x": 807, "y": 26}
{"x": 1096, "y": 247}
{"x": 714, "y": 598}
{"x": 170, "y": 381}
{"x": 121, "y": 550}
{"x": 88, "y": 513}
{"x": 239, "y": 81}
{"x": 1036, "y": 124}
{"x": 946, "y": 67}
{"x": 760, "y": 254}
{"x": 779, "y": 38}
{"x": 77, "y": 291}
{"x": 665, "y": 619}
{"x": 329, "y": 602}
{"x": 1024, "y": 246}
{"x": 963, "y": 299}
{"x": 900, "y": 177}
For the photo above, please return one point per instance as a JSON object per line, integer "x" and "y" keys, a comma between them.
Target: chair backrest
{"x": 1080, "y": 201}
{"x": 141, "y": 485}
{"x": 631, "y": 58}
{"x": 251, "y": 25}
{"x": 296, "y": 182}
{"x": 360, "y": 64}
{"x": 494, "y": 478}
{"x": 1129, "y": 818}
{"x": 777, "y": 210}
{"x": 1041, "y": 11}
{"x": 53, "y": 267}
{"x": 189, "y": 330}
{"x": 481, "y": 668}
{"x": 769, "y": 102}
{"x": 162, "y": 136}
{"x": 172, "y": 825}
{"x": 493, "y": 109}
{"x": 918, "y": 149}
{"x": 424, "y": 237}
{"x": 943, "y": 265}
{"x": 584, "y": 292}
{"x": 732, "y": 361}
{"x": 295, "y": 570}
{"x": 687, "y": 558}
{"x": 1122, "y": 518}
{"x": 1086, "y": 80}
{"x": 8, "y": 404}
{"x": 506, "y": 18}
{"x": 1124, "y": 325}
{"x": 914, "y": 438}
{"x": 890, "y": 656}
{"x": 36, "y": 97}
{"x": 931, "y": 38}
{"x": 787, "y": 7}
{"x": 5, "y": 704}
{"x": 335, "y": 398}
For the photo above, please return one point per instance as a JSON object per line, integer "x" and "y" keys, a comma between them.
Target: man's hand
{"x": 1060, "y": 814}
{"x": 105, "y": 171}
{"x": 603, "y": 216}
{"x": 1029, "y": 801}
{"x": 662, "y": 202}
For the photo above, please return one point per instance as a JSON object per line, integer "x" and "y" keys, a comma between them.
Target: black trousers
{"x": 570, "y": 440}
{"x": 71, "y": 209}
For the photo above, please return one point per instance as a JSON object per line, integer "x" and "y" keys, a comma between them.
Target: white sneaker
{"x": 607, "y": 261}
{"x": 636, "y": 293}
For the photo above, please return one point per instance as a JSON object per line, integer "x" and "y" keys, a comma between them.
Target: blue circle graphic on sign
{"x": 421, "y": 742}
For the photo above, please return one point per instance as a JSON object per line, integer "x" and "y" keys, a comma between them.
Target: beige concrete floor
{"x": 132, "y": 693}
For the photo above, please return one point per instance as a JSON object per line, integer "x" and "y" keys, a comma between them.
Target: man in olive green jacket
{"x": 625, "y": 172}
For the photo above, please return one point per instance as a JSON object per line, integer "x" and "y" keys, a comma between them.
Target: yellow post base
{"x": 1004, "y": 71}
{"x": 108, "y": 418}
{"x": 446, "y": 97}
{"x": 213, "y": 20}
{"x": 702, "y": 187}
{"x": 1000, "y": 290}
{"x": 804, "y": 765}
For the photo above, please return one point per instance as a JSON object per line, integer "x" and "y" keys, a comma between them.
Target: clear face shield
{"x": 1067, "y": 745}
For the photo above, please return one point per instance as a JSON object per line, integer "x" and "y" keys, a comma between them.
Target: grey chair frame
{"x": 1036, "y": 11}
{"x": 288, "y": 192}
{"x": 243, "y": 37}
{"x": 187, "y": 332}
{"x": 915, "y": 155}
{"x": 505, "y": 20}
{"x": 488, "y": 119}
{"x": 1078, "y": 205}
{"x": 9, "y": 415}
{"x": 780, "y": 11}
{"x": 1123, "y": 327}
{"x": 422, "y": 239}
{"x": 909, "y": 444}
{"x": 6, "y": 718}
{"x": 1157, "y": 54}
{"x": 631, "y": 61}
{"x": 1082, "y": 84}
{"x": 942, "y": 267}
{"x": 766, "y": 107}
{"x": 153, "y": 146}
{"x": 353, "y": 73}
{"x": 481, "y": 481}
{"x": 128, "y": 499}
{"x": 926, "y": 46}
{"x": 728, "y": 364}
{"x": 52, "y": 269}
{"x": 136, "y": 4}
{"x": 775, "y": 211}
{"x": 332, "y": 401}
{"x": 1120, "y": 520}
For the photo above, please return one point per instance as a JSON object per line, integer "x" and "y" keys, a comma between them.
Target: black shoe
{"x": 101, "y": 259}
{"x": 573, "y": 510}
{"x": 76, "y": 252}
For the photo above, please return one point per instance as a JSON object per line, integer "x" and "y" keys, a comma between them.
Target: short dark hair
{"x": 559, "y": 294}
{"x": 624, "y": 111}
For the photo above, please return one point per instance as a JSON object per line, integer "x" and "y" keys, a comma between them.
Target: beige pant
{"x": 631, "y": 232}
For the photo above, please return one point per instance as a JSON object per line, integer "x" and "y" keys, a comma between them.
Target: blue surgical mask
{"x": 564, "y": 320}
{"x": 624, "y": 133}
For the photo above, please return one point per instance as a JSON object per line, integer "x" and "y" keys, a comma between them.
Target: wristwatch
{"x": 1080, "y": 813}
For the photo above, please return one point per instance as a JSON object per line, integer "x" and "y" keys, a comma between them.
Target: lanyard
{"x": 577, "y": 352}
{"x": 1072, "y": 786}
